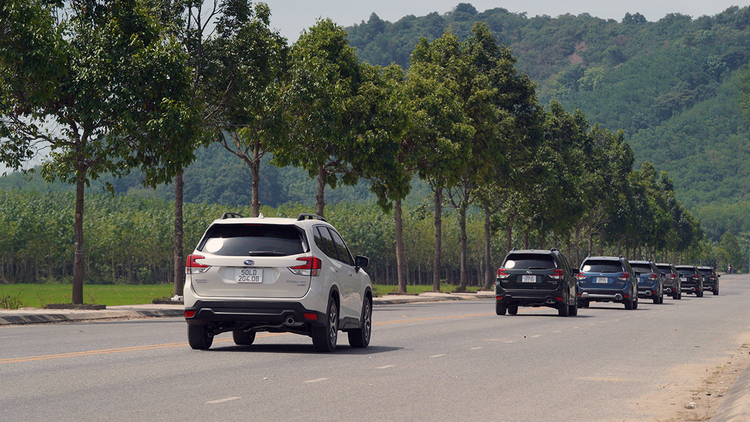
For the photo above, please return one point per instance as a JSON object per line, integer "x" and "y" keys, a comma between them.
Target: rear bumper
{"x": 257, "y": 313}
{"x": 529, "y": 297}
{"x": 605, "y": 295}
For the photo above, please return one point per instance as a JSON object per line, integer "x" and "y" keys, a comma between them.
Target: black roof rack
{"x": 231, "y": 215}
{"x": 305, "y": 216}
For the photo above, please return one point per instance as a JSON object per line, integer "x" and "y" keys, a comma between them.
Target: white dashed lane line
{"x": 223, "y": 400}
{"x": 316, "y": 380}
{"x": 437, "y": 356}
{"x": 385, "y": 367}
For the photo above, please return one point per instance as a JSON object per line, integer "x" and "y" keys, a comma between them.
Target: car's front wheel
{"x": 324, "y": 338}
{"x": 243, "y": 338}
{"x": 200, "y": 336}
{"x": 361, "y": 336}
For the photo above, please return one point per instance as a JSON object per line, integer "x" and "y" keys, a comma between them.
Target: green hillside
{"x": 675, "y": 87}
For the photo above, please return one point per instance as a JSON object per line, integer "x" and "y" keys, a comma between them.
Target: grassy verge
{"x": 14, "y": 296}
{"x": 39, "y": 295}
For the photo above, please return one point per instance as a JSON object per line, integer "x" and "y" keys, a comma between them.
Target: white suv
{"x": 278, "y": 275}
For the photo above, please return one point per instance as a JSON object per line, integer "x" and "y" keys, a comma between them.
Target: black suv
{"x": 691, "y": 279}
{"x": 536, "y": 278}
{"x": 607, "y": 279}
{"x": 672, "y": 284}
{"x": 710, "y": 279}
{"x": 650, "y": 281}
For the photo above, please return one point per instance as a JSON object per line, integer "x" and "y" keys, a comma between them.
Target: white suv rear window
{"x": 253, "y": 240}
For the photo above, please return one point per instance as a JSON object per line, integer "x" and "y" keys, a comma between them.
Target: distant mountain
{"x": 675, "y": 87}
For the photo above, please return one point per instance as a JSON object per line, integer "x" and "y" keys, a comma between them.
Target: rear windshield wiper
{"x": 266, "y": 253}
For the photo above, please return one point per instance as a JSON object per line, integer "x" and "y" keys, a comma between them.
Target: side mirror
{"x": 574, "y": 271}
{"x": 361, "y": 261}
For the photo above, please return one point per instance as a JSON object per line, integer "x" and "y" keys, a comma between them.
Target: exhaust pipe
{"x": 618, "y": 296}
{"x": 289, "y": 321}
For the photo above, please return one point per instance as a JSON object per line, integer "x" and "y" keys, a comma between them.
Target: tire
{"x": 500, "y": 308}
{"x": 699, "y": 293}
{"x": 628, "y": 304}
{"x": 716, "y": 291}
{"x": 513, "y": 310}
{"x": 676, "y": 296}
{"x": 242, "y": 338}
{"x": 200, "y": 336}
{"x": 635, "y": 303}
{"x": 573, "y": 309}
{"x": 324, "y": 338}
{"x": 563, "y": 309}
{"x": 360, "y": 338}
{"x": 656, "y": 300}
{"x": 584, "y": 304}
{"x": 679, "y": 296}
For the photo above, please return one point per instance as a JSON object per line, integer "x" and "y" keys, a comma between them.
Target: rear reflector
{"x": 310, "y": 316}
{"x": 189, "y": 314}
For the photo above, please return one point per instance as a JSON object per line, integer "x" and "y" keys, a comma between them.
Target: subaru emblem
{"x": 528, "y": 271}
{"x": 249, "y": 262}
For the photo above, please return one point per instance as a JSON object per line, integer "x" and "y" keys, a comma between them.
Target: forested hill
{"x": 675, "y": 86}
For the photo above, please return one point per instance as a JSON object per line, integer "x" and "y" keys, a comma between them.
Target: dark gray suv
{"x": 691, "y": 279}
{"x": 672, "y": 283}
{"x": 536, "y": 278}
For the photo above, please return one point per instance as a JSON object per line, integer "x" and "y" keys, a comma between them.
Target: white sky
{"x": 290, "y": 17}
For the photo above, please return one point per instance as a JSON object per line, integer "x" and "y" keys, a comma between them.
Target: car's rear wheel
{"x": 361, "y": 336}
{"x": 243, "y": 338}
{"x": 628, "y": 303}
{"x": 716, "y": 291}
{"x": 500, "y": 308}
{"x": 573, "y": 309}
{"x": 699, "y": 293}
{"x": 563, "y": 309}
{"x": 513, "y": 310}
{"x": 676, "y": 296}
{"x": 324, "y": 338}
{"x": 200, "y": 336}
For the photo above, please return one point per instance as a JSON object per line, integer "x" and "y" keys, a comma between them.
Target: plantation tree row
{"x": 109, "y": 86}
{"x": 129, "y": 239}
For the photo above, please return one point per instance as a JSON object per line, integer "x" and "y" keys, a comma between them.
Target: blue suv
{"x": 650, "y": 280}
{"x": 607, "y": 279}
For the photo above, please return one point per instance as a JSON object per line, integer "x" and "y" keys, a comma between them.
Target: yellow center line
{"x": 183, "y": 344}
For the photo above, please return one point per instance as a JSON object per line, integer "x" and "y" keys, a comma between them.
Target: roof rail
{"x": 554, "y": 249}
{"x": 305, "y": 216}
{"x": 231, "y": 215}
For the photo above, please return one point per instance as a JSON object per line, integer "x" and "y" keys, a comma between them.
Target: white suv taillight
{"x": 311, "y": 267}
{"x": 194, "y": 267}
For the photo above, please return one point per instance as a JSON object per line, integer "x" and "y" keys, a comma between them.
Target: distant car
{"x": 710, "y": 279}
{"x": 690, "y": 279}
{"x": 536, "y": 278}
{"x": 293, "y": 275}
{"x": 607, "y": 279}
{"x": 650, "y": 281}
{"x": 672, "y": 283}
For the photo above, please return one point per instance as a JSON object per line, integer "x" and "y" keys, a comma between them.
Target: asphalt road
{"x": 448, "y": 361}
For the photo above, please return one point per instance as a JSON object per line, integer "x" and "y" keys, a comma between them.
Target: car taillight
{"x": 193, "y": 266}
{"x": 713, "y": 277}
{"x": 581, "y": 276}
{"x": 623, "y": 277}
{"x": 696, "y": 277}
{"x": 557, "y": 274}
{"x": 311, "y": 267}
{"x": 502, "y": 273}
{"x": 652, "y": 277}
{"x": 672, "y": 276}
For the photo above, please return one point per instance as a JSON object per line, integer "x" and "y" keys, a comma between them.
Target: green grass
{"x": 14, "y": 296}
{"x": 39, "y": 295}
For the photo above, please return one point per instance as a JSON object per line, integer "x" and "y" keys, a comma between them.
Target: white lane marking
{"x": 476, "y": 348}
{"x": 385, "y": 367}
{"x": 437, "y": 356}
{"x": 535, "y": 336}
{"x": 316, "y": 380}
{"x": 510, "y": 341}
{"x": 223, "y": 400}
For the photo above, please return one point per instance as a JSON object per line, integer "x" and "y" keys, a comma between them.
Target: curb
{"x": 45, "y": 316}
{"x": 736, "y": 404}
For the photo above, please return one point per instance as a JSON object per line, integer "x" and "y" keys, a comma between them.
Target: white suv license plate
{"x": 602, "y": 280}
{"x": 248, "y": 275}
{"x": 528, "y": 279}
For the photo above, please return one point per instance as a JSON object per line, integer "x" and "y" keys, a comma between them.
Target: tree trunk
{"x": 438, "y": 238}
{"x": 179, "y": 261}
{"x": 319, "y": 197}
{"x": 78, "y": 268}
{"x": 508, "y": 236}
{"x": 488, "y": 273}
{"x": 400, "y": 264}
{"x": 255, "y": 172}
{"x": 463, "y": 253}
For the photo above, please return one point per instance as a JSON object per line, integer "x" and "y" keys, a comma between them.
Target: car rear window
{"x": 529, "y": 262}
{"x": 664, "y": 269}
{"x": 684, "y": 271}
{"x": 602, "y": 266}
{"x": 641, "y": 268}
{"x": 253, "y": 240}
